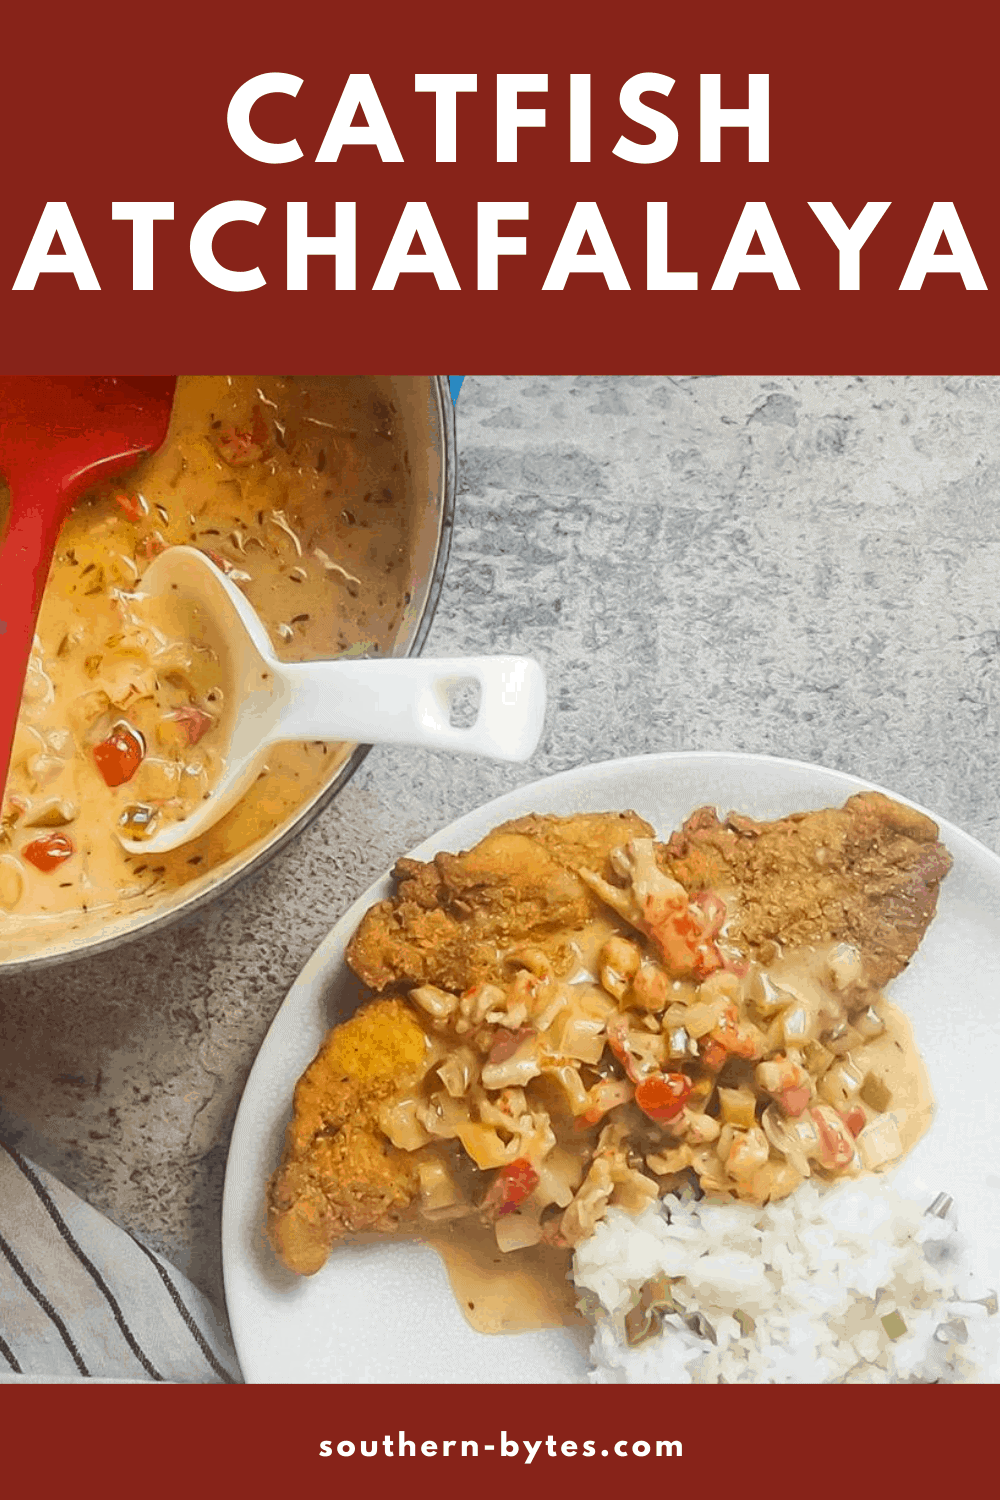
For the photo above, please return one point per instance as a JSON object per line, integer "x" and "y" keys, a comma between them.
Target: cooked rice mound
{"x": 847, "y": 1284}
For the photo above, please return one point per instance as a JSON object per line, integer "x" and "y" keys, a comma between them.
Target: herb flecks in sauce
{"x": 117, "y": 718}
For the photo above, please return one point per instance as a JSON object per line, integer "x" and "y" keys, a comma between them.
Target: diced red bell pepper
{"x": 604, "y": 1096}
{"x": 131, "y": 505}
{"x": 683, "y": 945}
{"x": 518, "y": 1180}
{"x": 663, "y": 1096}
{"x": 835, "y": 1149}
{"x": 236, "y": 445}
{"x": 741, "y": 1042}
{"x": 48, "y": 852}
{"x": 120, "y": 755}
{"x": 506, "y": 1043}
{"x": 713, "y": 909}
{"x": 793, "y": 1101}
{"x": 618, "y": 1042}
{"x": 713, "y": 1054}
{"x": 193, "y": 721}
{"x": 855, "y": 1119}
{"x": 240, "y": 446}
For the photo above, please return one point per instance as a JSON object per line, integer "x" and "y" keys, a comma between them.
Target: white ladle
{"x": 393, "y": 701}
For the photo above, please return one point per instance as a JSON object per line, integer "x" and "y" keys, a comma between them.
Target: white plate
{"x": 386, "y": 1312}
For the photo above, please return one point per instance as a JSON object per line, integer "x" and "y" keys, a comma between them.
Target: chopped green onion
{"x": 894, "y": 1325}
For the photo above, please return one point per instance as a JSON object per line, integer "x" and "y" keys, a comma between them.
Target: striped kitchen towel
{"x": 82, "y": 1299}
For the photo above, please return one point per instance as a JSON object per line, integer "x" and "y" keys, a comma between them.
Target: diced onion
{"x": 704, "y": 1016}
{"x": 795, "y": 1025}
{"x": 768, "y": 997}
{"x": 570, "y": 1082}
{"x": 679, "y": 1042}
{"x": 437, "y": 1187}
{"x": 515, "y": 1071}
{"x": 880, "y": 1142}
{"x": 399, "y": 1122}
{"x": 485, "y": 1146}
{"x": 842, "y": 1038}
{"x": 458, "y": 1071}
{"x": 869, "y": 1023}
{"x": 844, "y": 963}
{"x": 583, "y": 1037}
{"x": 559, "y": 1175}
{"x": 517, "y": 1230}
{"x": 841, "y": 1083}
{"x": 437, "y": 1003}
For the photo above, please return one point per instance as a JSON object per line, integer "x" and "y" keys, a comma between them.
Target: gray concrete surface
{"x": 803, "y": 567}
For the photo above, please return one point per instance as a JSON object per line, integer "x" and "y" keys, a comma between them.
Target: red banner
{"x": 851, "y": 143}
{"x": 861, "y": 239}
{"x": 525, "y": 1440}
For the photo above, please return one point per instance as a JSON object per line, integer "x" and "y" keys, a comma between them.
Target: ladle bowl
{"x": 399, "y": 701}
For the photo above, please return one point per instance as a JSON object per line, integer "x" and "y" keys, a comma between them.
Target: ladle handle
{"x": 407, "y": 701}
{"x": 25, "y": 556}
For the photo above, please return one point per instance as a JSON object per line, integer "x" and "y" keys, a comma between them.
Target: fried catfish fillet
{"x": 339, "y": 1174}
{"x": 453, "y": 917}
{"x": 867, "y": 873}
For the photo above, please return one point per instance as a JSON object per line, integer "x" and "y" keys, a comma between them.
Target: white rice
{"x": 817, "y": 1273}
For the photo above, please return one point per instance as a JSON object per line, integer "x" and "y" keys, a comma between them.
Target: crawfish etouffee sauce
{"x": 299, "y": 490}
{"x": 863, "y": 1103}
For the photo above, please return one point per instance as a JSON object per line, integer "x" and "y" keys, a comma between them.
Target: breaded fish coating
{"x": 867, "y": 873}
{"x": 339, "y": 1174}
{"x": 453, "y": 917}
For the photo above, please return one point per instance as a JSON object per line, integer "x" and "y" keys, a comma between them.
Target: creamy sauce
{"x": 299, "y": 488}
{"x": 894, "y": 1059}
{"x": 505, "y": 1293}
{"x": 532, "y": 1288}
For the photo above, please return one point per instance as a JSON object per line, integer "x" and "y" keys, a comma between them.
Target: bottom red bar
{"x": 521, "y": 1440}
